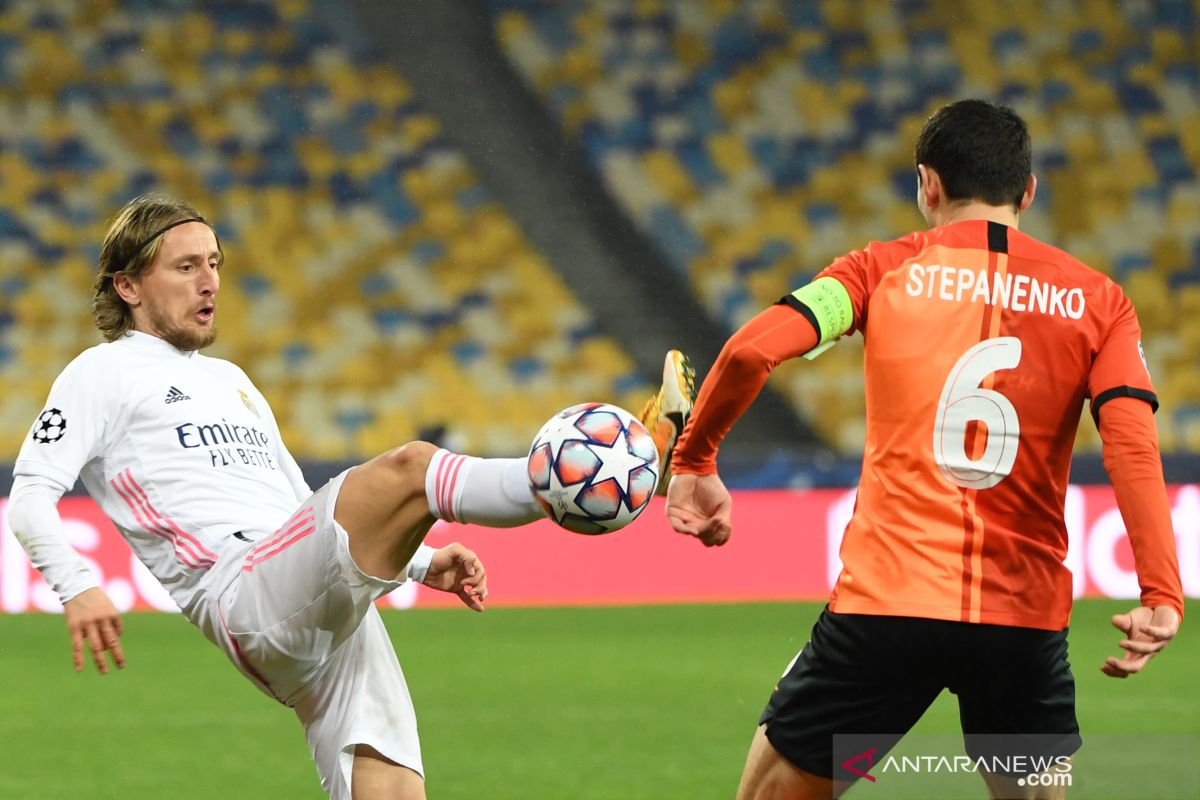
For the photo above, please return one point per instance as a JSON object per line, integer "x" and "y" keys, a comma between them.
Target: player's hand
{"x": 700, "y": 506}
{"x": 92, "y": 618}
{"x": 456, "y": 569}
{"x": 1147, "y": 631}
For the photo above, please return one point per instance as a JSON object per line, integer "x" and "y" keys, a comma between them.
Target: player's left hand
{"x": 700, "y": 506}
{"x": 93, "y": 619}
{"x": 1147, "y": 631}
{"x": 456, "y": 569}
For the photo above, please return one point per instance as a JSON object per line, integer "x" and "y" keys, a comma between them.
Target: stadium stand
{"x": 378, "y": 290}
{"x": 375, "y": 289}
{"x": 754, "y": 141}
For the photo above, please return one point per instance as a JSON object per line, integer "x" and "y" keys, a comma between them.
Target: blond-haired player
{"x": 182, "y": 452}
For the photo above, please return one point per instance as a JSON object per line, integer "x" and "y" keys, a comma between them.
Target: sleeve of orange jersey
{"x": 773, "y": 336}
{"x": 1123, "y": 405}
{"x": 1135, "y": 468}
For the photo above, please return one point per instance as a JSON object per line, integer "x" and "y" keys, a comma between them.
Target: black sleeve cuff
{"x": 792, "y": 302}
{"x": 1121, "y": 391}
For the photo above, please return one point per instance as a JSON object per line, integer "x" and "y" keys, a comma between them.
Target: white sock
{"x": 480, "y": 491}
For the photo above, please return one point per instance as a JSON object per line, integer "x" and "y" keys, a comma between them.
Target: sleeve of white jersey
{"x": 35, "y": 522}
{"x": 421, "y": 561}
{"x": 70, "y": 431}
{"x": 72, "y": 427}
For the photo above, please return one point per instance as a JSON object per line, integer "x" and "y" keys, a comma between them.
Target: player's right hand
{"x": 700, "y": 506}
{"x": 1147, "y": 631}
{"x": 92, "y": 618}
{"x": 458, "y": 570}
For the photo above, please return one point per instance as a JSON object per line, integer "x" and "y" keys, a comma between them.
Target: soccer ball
{"x": 593, "y": 468}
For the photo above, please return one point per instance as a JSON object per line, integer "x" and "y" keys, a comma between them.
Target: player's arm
{"x": 90, "y": 616}
{"x": 1134, "y": 466}
{"x": 84, "y": 405}
{"x": 1123, "y": 403}
{"x": 457, "y": 570}
{"x": 805, "y": 322}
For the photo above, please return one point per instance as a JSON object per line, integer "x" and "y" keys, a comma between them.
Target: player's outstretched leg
{"x": 388, "y": 504}
{"x": 665, "y": 414}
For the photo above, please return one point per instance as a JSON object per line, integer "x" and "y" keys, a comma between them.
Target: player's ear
{"x": 1030, "y": 191}
{"x": 929, "y": 188}
{"x": 127, "y": 288}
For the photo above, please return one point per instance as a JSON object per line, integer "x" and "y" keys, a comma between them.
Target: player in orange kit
{"x": 981, "y": 345}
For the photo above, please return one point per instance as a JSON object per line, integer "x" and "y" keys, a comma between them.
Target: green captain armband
{"x": 829, "y": 303}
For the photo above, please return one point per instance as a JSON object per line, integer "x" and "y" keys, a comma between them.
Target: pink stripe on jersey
{"x": 137, "y": 511}
{"x": 184, "y": 543}
{"x": 183, "y": 555}
{"x": 192, "y": 540}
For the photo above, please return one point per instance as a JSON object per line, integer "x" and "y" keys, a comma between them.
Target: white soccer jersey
{"x": 180, "y": 450}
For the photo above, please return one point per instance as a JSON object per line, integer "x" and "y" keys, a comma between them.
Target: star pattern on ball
{"x": 562, "y": 499}
{"x": 560, "y": 435}
{"x": 616, "y": 462}
{"x": 591, "y": 468}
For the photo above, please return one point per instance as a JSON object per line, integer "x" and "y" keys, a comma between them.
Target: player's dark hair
{"x": 980, "y": 150}
{"x": 130, "y": 245}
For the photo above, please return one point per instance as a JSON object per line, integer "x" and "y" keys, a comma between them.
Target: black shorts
{"x": 863, "y": 674}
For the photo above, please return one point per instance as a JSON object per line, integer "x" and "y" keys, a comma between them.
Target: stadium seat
{"x": 367, "y": 286}
{"x": 799, "y": 137}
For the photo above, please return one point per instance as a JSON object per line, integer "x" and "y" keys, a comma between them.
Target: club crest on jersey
{"x": 51, "y": 426}
{"x": 174, "y": 395}
{"x": 246, "y": 401}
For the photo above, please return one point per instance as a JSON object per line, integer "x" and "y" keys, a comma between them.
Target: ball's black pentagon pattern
{"x": 51, "y": 426}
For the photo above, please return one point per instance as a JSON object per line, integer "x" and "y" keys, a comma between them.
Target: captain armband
{"x": 830, "y": 309}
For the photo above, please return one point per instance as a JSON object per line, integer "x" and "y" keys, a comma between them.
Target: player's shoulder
{"x": 881, "y": 255}
{"x": 899, "y": 250}
{"x": 1092, "y": 281}
{"x": 97, "y": 363}
{"x": 223, "y": 367}
{"x": 1022, "y": 245}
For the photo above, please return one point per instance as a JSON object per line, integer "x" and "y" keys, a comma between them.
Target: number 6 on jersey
{"x": 964, "y": 400}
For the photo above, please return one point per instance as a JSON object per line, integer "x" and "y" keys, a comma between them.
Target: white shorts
{"x": 302, "y": 624}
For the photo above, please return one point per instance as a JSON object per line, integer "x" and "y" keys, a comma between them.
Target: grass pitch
{"x": 562, "y": 704}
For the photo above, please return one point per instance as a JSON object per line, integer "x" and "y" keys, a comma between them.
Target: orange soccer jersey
{"x": 981, "y": 346}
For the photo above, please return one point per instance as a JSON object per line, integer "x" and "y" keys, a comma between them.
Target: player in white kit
{"x": 183, "y": 454}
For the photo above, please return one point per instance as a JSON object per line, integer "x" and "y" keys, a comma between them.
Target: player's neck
{"x": 948, "y": 215}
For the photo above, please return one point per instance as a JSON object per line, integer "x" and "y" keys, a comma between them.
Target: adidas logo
{"x": 174, "y": 395}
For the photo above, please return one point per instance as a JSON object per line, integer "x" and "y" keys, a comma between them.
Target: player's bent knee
{"x": 384, "y": 499}
{"x": 408, "y": 465}
{"x": 399, "y": 474}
